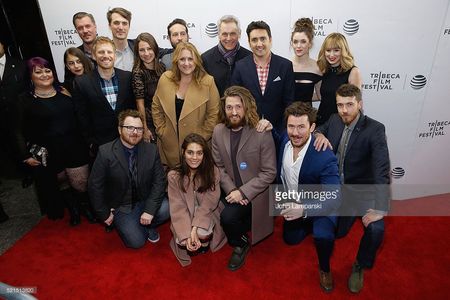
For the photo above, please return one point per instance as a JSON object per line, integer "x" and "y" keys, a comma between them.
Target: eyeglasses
{"x": 131, "y": 129}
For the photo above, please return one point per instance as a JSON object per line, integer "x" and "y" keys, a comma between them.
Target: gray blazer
{"x": 257, "y": 165}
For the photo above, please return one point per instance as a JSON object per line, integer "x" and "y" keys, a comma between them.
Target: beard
{"x": 235, "y": 124}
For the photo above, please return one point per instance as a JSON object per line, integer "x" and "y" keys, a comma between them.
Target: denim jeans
{"x": 321, "y": 228}
{"x": 129, "y": 227}
{"x": 370, "y": 241}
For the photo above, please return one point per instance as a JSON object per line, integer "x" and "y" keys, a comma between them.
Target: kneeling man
{"x": 300, "y": 164}
{"x": 127, "y": 184}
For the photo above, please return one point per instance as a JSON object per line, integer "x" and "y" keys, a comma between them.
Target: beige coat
{"x": 256, "y": 159}
{"x": 183, "y": 217}
{"x": 199, "y": 115}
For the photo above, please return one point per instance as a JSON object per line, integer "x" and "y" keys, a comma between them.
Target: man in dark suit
{"x": 269, "y": 77}
{"x": 12, "y": 83}
{"x": 119, "y": 20}
{"x": 220, "y": 60}
{"x": 84, "y": 24}
{"x": 127, "y": 184}
{"x": 360, "y": 145}
{"x": 301, "y": 168}
{"x": 247, "y": 162}
{"x": 101, "y": 95}
{"x": 177, "y": 31}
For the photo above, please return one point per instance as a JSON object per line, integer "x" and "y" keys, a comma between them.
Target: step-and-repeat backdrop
{"x": 401, "y": 47}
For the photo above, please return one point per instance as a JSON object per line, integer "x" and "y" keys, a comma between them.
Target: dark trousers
{"x": 236, "y": 222}
{"x": 46, "y": 183}
{"x": 323, "y": 231}
{"x": 370, "y": 241}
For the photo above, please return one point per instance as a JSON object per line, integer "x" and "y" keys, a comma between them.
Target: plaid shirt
{"x": 263, "y": 73}
{"x": 110, "y": 89}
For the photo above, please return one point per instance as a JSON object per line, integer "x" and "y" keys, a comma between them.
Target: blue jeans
{"x": 323, "y": 231}
{"x": 129, "y": 227}
{"x": 321, "y": 227}
{"x": 370, "y": 241}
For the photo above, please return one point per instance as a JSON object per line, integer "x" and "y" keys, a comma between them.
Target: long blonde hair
{"x": 335, "y": 40}
{"x": 199, "y": 71}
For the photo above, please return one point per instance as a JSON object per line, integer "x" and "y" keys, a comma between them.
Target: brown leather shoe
{"x": 326, "y": 281}
{"x": 356, "y": 279}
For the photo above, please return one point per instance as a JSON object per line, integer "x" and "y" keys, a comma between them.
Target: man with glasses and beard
{"x": 127, "y": 184}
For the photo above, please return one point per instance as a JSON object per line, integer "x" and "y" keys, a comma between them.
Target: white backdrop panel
{"x": 397, "y": 45}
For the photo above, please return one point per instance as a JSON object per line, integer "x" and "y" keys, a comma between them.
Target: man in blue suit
{"x": 269, "y": 77}
{"x": 361, "y": 148}
{"x": 299, "y": 164}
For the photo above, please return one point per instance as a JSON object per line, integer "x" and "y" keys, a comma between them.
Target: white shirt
{"x": 290, "y": 169}
{"x": 124, "y": 59}
{"x": 2, "y": 65}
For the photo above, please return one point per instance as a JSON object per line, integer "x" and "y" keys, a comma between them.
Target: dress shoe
{"x": 326, "y": 281}
{"x": 237, "y": 258}
{"x": 356, "y": 279}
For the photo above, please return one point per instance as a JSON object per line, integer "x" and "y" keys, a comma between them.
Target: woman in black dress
{"x": 50, "y": 143}
{"x": 306, "y": 71}
{"x": 146, "y": 72}
{"x": 336, "y": 63}
{"x": 76, "y": 63}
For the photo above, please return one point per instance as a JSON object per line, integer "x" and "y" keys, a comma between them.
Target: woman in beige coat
{"x": 186, "y": 101}
{"x": 194, "y": 192}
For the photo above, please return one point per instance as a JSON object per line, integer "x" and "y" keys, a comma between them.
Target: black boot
{"x": 86, "y": 207}
{"x": 73, "y": 204}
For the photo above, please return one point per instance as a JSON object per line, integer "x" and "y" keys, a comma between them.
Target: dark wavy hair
{"x": 205, "y": 171}
{"x": 298, "y": 109}
{"x": 38, "y": 61}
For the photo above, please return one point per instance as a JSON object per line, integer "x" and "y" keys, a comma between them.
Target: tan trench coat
{"x": 199, "y": 115}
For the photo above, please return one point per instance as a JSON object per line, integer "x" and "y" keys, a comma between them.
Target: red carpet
{"x": 87, "y": 263}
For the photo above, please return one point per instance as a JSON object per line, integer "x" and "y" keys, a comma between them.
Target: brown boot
{"x": 326, "y": 281}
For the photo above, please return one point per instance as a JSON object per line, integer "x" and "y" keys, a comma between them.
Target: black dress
{"x": 331, "y": 81}
{"x": 50, "y": 123}
{"x": 304, "y": 90}
{"x": 144, "y": 86}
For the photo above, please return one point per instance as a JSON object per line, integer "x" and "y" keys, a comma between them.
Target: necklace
{"x": 45, "y": 95}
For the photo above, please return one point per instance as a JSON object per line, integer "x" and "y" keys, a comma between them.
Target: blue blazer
{"x": 318, "y": 168}
{"x": 279, "y": 92}
{"x": 367, "y": 157}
